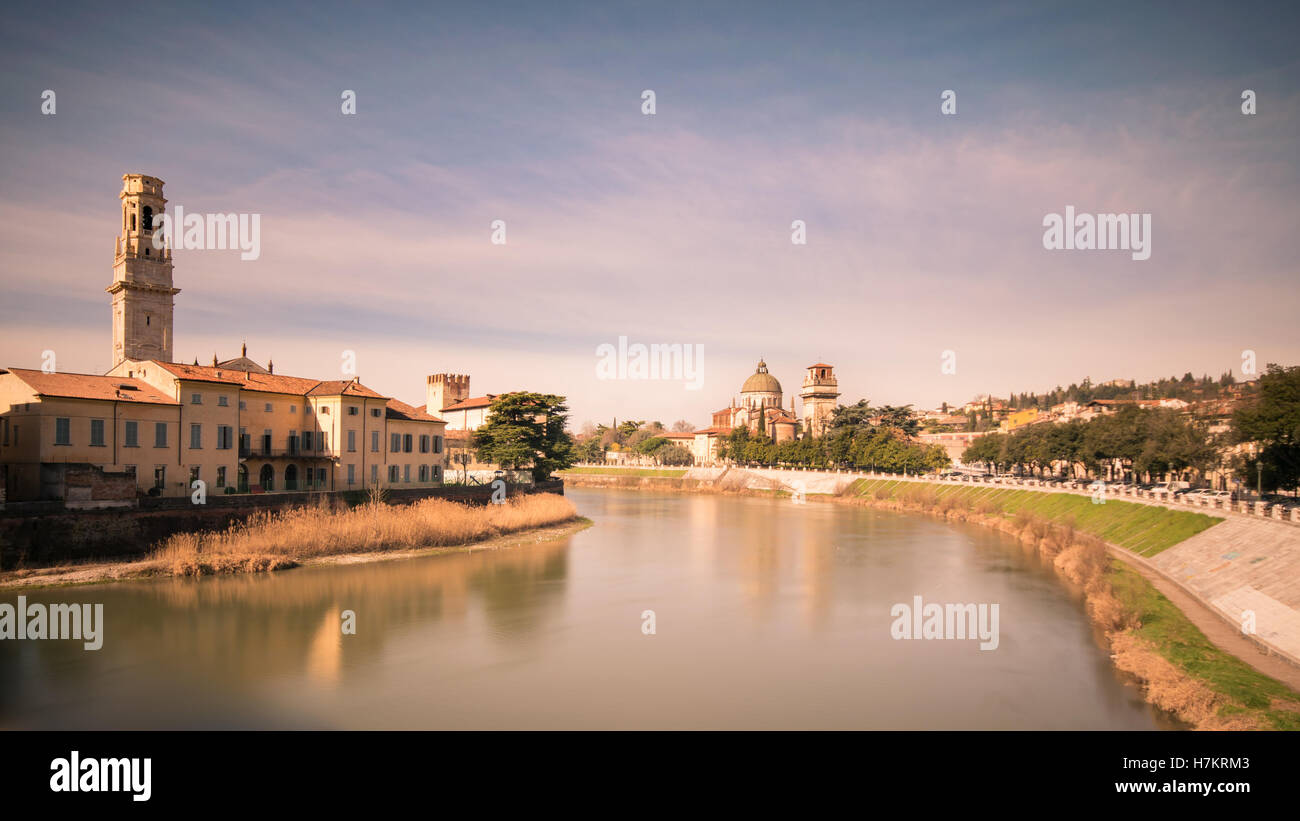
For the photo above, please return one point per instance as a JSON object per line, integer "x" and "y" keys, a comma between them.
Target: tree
{"x": 1273, "y": 422}
{"x": 682, "y": 426}
{"x": 850, "y": 416}
{"x": 674, "y": 454}
{"x": 900, "y": 417}
{"x": 526, "y": 430}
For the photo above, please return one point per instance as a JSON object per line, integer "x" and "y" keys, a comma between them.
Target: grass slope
{"x": 1143, "y": 529}
{"x": 1183, "y": 645}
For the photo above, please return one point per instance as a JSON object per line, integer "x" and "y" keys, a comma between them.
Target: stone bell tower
{"x": 143, "y": 296}
{"x": 820, "y": 390}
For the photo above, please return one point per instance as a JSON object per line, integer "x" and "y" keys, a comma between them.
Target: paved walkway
{"x": 1242, "y": 567}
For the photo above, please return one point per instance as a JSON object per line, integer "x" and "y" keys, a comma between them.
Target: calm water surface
{"x": 768, "y": 615}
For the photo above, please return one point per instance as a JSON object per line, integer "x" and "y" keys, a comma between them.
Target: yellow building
{"x": 235, "y": 425}
{"x": 1020, "y": 418}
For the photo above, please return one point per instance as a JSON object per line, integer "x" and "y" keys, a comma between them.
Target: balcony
{"x": 261, "y": 450}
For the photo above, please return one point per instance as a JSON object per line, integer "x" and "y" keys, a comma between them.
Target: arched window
{"x": 267, "y": 477}
{"x": 133, "y": 222}
{"x": 148, "y": 219}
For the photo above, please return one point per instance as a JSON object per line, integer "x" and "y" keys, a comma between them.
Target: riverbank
{"x": 1097, "y": 550}
{"x": 310, "y": 536}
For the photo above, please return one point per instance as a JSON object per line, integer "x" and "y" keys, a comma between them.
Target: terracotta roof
{"x": 677, "y": 435}
{"x": 821, "y": 365}
{"x": 87, "y": 386}
{"x": 713, "y": 431}
{"x": 400, "y": 410}
{"x": 473, "y": 402}
{"x": 267, "y": 382}
{"x": 344, "y": 387}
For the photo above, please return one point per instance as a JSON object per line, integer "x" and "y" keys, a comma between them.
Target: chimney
{"x": 270, "y": 365}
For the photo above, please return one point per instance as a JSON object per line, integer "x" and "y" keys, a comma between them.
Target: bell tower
{"x": 143, "y": 296}
{"x": 820, "y": 390}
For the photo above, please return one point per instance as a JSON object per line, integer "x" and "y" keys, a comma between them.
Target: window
{"x": 223, "y": 401}
{"x": 221, "y": 476}
{"x": 325, "y": 409}
{"x": 160, "y": 477}
{"x": 194, "y": 474}
{"x": 374, "y": 441}
{"x": 293, "y": 443}
{"x": 306, "y": 441}
{"x": 424, "y": 473}
{"x": 374, "y": 412}
{"x": 225, "y": 436}
{"x": 245, "y": 442}
{"x": 424, "y": 443}
{"x": 196, "y": 437}
{"x": 437, "y": 444}
{"x": 97, "y": 433}
{"x": 395, "y": 442}
{"x": 352, "y": 410}
{"x": 62, "y": 431}
{"x": 307, "y": 410}
{"x": 266, "y": 442}
{"x": 437, "y": 473}
{"x": 352, "y": 474}
{"x": 293, "y": 409}
{"x": 243, "y": 405}
{"x": 160, "y": 434}
{"x": 352, "y": 441}
{"x": 406, "y": 473}
{"x": 196, "y": 399}
{"x": 374, "y": 474}
{"x": 268, "y": 407}
{"x": 407, "y": 443}
{"x": 132, "y": 431}
{"x": 392, "y": 473}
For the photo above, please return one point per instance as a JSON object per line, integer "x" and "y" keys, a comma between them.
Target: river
{"x": 766, "y": 614}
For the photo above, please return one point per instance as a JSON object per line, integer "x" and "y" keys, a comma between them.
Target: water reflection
{"x": 769, "y": 614}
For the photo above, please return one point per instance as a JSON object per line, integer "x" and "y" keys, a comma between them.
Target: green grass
{"x": 1143, "y": 529}
{"x": 1186, "y": 647}
{"x": 665, "y": 474}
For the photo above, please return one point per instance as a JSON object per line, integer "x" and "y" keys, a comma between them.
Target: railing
{"x": 257, "y": 451}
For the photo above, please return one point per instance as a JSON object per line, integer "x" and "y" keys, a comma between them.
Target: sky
{"x": 924, "y": 230}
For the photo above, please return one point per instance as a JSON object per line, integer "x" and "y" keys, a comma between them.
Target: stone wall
{"x": 47, "y": 533}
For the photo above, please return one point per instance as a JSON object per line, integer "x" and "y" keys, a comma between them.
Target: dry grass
{"x": 270, "y": 541}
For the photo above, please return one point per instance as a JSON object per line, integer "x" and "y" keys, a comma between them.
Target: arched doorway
{"x": 243, "y": 478}
{"x": 291, "y": 477}
{"x": 267, "y": 477}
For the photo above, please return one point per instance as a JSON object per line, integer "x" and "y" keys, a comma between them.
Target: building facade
{"x": 233, "y": 426}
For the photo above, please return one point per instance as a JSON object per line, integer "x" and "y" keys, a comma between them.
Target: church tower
{"x": 142, "y": 276}
{"x": 820, "y": 390}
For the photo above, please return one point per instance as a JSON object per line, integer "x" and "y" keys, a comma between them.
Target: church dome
{"x": 760, "y": 381}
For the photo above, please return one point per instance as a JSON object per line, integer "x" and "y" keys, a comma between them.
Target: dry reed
{"x": 268, "y": 541}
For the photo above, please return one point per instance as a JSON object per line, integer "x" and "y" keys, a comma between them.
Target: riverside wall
{"x": 48, "y": 533}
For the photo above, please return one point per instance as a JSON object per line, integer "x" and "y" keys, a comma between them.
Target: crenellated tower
{"x": 445, "y": 389}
